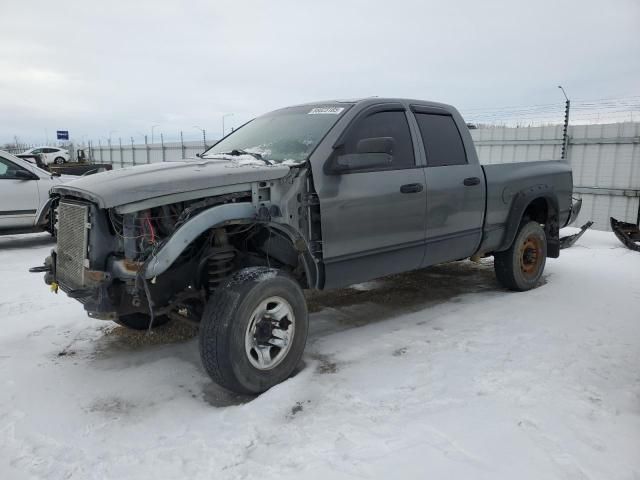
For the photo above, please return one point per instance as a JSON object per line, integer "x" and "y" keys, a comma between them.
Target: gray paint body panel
{"x": 368, "y": 231}
{"x": 134, "y": 184}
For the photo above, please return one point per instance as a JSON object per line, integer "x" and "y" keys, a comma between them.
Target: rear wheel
{"x": 253, "y": 331}
{"x": 59, "y": 161}
{"x": 520, "y": 267}
{"x": 140, "y": 321}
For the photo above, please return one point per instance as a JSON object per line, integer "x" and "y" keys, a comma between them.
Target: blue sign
{"x": 62, "y": 134}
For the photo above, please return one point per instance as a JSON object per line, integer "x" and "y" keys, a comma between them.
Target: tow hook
{"x": 41, "y": 269}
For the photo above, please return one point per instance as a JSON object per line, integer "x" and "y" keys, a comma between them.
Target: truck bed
{"x": 505, "y": 181}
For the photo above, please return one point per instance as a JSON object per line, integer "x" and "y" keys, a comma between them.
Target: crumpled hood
{"x": 132, "y": 184}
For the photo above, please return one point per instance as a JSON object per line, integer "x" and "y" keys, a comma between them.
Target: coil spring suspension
{"x": 219, "y": 265}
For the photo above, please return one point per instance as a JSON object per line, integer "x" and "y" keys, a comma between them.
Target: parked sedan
{"x": 24, "y": 195}
{"x": 50, "y": 155}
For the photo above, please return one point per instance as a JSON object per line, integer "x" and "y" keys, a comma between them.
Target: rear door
{"x": 51, "y": 154}
{"x": 455, "y": 189}
{"x": 19, "y": 198}
{"x": 373, "y": 220}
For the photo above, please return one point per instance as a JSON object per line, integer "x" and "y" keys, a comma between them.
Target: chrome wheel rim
{"x": 269, "y": 333}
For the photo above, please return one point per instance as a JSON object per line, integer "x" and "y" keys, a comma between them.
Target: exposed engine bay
{"x": 115, "y": 272}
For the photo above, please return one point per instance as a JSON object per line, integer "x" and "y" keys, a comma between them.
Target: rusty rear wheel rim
{"x": 530, "y": 256}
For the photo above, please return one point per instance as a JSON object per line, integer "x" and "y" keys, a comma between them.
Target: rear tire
{"x": 254, "y": 330}
{"x": 140, "y": 321}
{"x": 59, "y": 161}
{"x": 520, "y": 267}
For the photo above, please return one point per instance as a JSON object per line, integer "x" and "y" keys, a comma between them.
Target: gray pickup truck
{"x": 314, "y": 196}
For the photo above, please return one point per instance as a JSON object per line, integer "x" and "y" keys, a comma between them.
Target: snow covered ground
{"x": 434, "y": 374}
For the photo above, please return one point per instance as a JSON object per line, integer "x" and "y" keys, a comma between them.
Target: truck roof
{"x": 363, "y": 102}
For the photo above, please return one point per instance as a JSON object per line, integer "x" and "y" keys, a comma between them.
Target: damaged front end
{"x": 117, "y": 264}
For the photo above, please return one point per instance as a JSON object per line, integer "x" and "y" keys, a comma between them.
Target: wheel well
{"x": 252, "y": 245}
{"x": 537, "y": 210}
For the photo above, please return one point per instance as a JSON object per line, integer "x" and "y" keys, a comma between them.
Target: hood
{"x": 66, "y": 178}
{"x": 132, "y": 184}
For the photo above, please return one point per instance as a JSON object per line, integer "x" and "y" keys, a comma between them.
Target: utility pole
{"x": 223, "y": 117}
{"x": 565, "y": 131}
{"x": 204, "y": 136}
{"x": 152, "y": 129}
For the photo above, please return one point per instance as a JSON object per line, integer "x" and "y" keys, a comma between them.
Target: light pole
{"x": 223, "y": 117}
{"x": 565, "y": 131}
{"x": 204, "y": 136}
{"x": 152, "y": 128}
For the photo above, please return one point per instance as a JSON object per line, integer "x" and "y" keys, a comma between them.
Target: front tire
{"x": 520, "y": 267}
{"x": 254, "y": 330}
{"x": 140, "y": 321}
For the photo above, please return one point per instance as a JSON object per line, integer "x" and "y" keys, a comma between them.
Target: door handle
{"x": 411, "y": 188}
{"x": 471, "y": 181}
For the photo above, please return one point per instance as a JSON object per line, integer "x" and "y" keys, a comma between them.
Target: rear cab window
{"x": 441, "y": 138}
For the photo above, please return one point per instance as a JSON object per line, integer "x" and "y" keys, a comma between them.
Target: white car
{"x": 24, "y": 195}
{"x": 50, "y": 154}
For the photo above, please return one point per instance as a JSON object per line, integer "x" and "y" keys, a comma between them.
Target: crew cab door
{"x": 455, "y": 188}
{"x": 372, "y": 200}
{"x": 19, "y": 198}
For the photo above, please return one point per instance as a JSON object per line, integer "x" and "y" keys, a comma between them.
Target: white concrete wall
{"x": 605, "y": 159}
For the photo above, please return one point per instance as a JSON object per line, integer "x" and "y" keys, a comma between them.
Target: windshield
{"x": 288, "y": 135}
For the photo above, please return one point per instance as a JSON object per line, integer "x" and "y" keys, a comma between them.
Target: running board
{"x": 627, "y": 233}
{"x": 569, "y": 240}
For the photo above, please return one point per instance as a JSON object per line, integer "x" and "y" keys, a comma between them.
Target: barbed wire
{"x": 609, "y": 110}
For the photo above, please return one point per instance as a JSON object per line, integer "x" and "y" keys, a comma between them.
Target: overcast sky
{"x": 121, "y": 66}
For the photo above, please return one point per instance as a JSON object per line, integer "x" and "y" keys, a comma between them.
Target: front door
{"x": 19, "y": 198}
{"x": 373, "y": 219}
{"x": 455, "y": 190}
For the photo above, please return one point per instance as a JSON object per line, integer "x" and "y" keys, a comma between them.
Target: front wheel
{"x": 520, "y": 267}
{"x": 254, "y": 330}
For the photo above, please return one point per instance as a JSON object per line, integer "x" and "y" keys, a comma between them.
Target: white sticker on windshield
{"x": 326, "y": 111}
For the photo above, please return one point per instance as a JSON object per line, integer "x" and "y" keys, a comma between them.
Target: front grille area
{"x": 72, "y": 244}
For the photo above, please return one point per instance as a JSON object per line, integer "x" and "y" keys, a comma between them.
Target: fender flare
{"x": 300, "y": 245}
{"x": 42, "y": 212}
{"x": 171, "y": 249}
{"x": 521, "y": 200}
{"x": 218, "y": 216}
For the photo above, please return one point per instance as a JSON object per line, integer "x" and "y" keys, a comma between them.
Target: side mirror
{"x": 371, "y": 154}
{"x": 24, "y": 175}
{"x": 362, "y": 161}
{"x": 376, "y": 145}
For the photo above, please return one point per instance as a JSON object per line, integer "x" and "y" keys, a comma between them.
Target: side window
{"x": 49, "y": 150}
{"x": 7, "y": 169}
{"x": 441, "y": 139}
{"x": 385, "y": 124}
{"x": 37, "y": 151}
